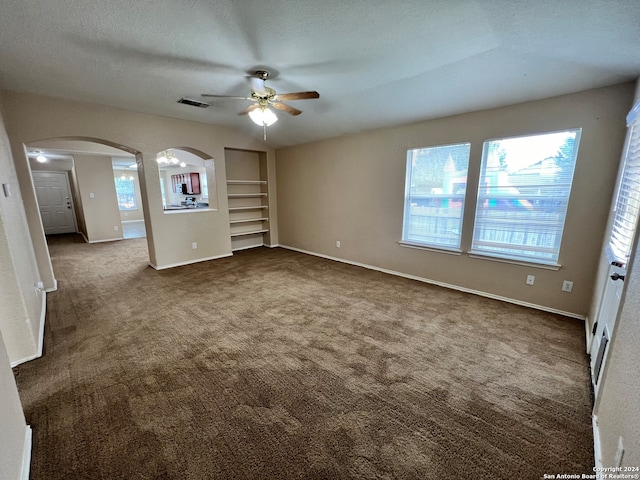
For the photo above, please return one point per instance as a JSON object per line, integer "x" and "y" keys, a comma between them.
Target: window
{"x": 434, "y": 195}
{"x": 523, "y": 194}
{"x": 627, "y": 204}
{"x": 125, "y": 190}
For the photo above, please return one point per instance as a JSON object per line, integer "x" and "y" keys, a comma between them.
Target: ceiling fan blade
{"x": 224, "y": 96}
{"x": 298, "y": 95}
{"x": 286, "y": 108}
{"x": 250, "y": 108}
{"x": 257, "y": 85}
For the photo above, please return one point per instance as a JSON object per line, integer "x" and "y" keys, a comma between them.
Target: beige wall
{"x": 618, "y": 407}
{"x": 20, "y": 301}
{"x": 14, "y": 428}
{"x": 32, "y": 118}
{"x": 352, "y": 189}
{"x": 19, "y": 309}
{"x": 101, "y": 213}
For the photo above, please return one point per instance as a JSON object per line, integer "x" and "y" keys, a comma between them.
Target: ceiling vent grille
{"x": 194, "y": 103}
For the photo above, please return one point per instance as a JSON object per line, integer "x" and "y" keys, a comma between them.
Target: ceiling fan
{"x": 265, "y": 97}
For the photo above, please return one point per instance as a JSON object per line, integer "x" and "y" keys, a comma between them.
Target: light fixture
{"x": 41, "y": 158}
{"x": 263, "y": 116}
{"x": 124, "y": 177}
{"x": 167, "y": 158}
{"x": 182, "y": 164}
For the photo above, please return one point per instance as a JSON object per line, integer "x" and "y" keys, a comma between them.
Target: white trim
{"x": 247, "y": 247}
{"x": 84, "y": 236}
{"x": 597, "y": 449}
{"x": 493, "y": 258}
{"x": 106, "y": 240}
{"x": 445, "y": 285}
{"x": 419, "y": 246}
{"x": 54, "y": 288}
{"x": 131, "y": 221}
{"x": 188, "y": 262}
{"x": 272, "y": 246}
{"x": 26, "y": 454}
{"x": 588, "y": 335}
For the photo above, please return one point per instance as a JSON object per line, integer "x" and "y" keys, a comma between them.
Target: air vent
{"x": 193, "y": 103}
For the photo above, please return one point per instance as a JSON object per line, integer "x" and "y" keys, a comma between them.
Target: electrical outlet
{"x": 567, "y": 286}
{"x": 530, "y": 280}
{"x": 337, "y": 243}
{"x": 619, "y": 454}
{"x": 194, "y": 245}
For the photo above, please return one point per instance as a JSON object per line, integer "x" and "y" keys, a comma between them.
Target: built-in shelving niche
{"x": 248, "y": 198}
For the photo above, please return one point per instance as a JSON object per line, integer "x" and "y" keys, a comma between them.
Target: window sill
{"x": 484, "y": 256}
{"x": 418, "y": 246}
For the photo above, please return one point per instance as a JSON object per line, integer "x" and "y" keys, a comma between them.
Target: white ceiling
{"x": 375, "y": 63}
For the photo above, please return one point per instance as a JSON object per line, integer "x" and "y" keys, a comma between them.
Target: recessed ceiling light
{"x": 41, "y": 158}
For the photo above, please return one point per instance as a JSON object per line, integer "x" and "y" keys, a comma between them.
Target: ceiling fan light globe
{"x": 263, "y": 117}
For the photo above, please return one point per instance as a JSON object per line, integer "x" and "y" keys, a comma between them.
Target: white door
{"x": 609, "y": 306}
{"x": 54, "y": 202}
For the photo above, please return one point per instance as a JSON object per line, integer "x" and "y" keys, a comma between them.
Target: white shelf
{"x": 246, "y": 182}
{"x": 252, "y": 232}
{"x": 246, "y": 195}
{"x": 247, "y": 220}
{"x": 252, "y": 207}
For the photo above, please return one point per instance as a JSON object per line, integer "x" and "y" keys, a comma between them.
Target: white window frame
{"x": 627, "y": 198}
{"x": 537, "y": 246}
{"x": 438, "y": 217}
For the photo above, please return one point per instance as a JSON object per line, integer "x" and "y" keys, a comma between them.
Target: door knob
{"x": 617, "y": 276}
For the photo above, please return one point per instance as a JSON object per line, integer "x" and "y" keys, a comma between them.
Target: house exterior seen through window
{"x": 434, "y": 195}
{"x": 126, "y": 193}
{"x": 523, "y": 194}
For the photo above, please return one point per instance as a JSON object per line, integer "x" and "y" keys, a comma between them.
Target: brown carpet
{"x": 272, "y": 364}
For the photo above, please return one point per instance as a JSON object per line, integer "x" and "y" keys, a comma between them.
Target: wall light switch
{"x": 91, "y": 195}
{"x": 194, "y": 245}
{"x": 530, "y": 280}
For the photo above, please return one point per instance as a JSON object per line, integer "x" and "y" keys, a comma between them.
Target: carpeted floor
{"x": 272, "y": 364}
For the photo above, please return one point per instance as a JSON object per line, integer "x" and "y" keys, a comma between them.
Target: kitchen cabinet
{"x": 186, "y": 183}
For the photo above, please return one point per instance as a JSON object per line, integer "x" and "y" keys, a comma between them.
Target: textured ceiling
{"x": 375, "y": 63}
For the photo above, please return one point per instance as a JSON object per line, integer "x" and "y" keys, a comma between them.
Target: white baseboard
{"x": 26, "y": 454}
{"x": 188, "y": 262}
{"x": 597, "y": 451}
{"x": 43, "y": 316}
{"x": 247, "y": 247}
{"x": 442, "y": 284}
{"x": 588, "y": 335}
{"x": 106, "y": 240}
{"x": 54, "y": 288}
